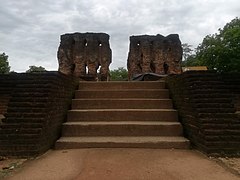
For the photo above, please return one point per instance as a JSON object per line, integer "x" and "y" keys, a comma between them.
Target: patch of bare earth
{"x": 9, "y": 166}
{"x": 232, "y": 164}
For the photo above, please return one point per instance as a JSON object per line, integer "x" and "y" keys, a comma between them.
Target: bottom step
{"x": 123, "y": 142}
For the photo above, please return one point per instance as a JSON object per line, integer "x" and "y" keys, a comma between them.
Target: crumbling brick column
{"x": 82, "y": 54}
{"x": 155, "y": 54}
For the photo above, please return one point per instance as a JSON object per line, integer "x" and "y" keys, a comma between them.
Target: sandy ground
{"x": 122, "y": 164}
{"x": 232, "y": 164}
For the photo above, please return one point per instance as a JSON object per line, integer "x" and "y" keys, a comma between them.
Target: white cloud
{"x": 30, "y": 30}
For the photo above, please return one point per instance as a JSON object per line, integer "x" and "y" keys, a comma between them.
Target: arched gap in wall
{"x": 86, "y": 69}
{"x": 165, "y": 67}
{"x": 73, "y": 42}
{"x": 73, "y": 68}
{"x": 141, "y": 58}
{"x": 98, "y": 69}
{"x": 85, "y": 42}
{"x": 152, "y": 67}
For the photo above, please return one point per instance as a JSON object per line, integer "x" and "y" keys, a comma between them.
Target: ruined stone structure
{"x": 155, "y": 54}
{"x": 82, "y": 54}
{"x": 34, "y": 107}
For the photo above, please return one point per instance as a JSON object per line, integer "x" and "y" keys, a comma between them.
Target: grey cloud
{"x": 30, "y": 29}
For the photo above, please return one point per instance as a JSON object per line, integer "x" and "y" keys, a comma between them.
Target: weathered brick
{"x": 37, "y": 106}
{"x": 207, "y": 102}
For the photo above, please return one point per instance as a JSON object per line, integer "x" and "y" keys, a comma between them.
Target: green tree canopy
{"x": 221, "y": 51}
{"x": 120, "y": 74}
{"x": 36, "y": 69}
{"x": 187, "y": 51}
{"x": 189, "y": 56}
{"x": 4, "y": 65}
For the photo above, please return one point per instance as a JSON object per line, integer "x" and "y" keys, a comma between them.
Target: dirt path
{"x": 122, "y": 164}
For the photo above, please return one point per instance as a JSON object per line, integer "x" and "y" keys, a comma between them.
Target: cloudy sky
{"x": 30, "y": 29}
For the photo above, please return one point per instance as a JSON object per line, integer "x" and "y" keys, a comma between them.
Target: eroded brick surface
{"x": 155, "y": 54}
{"x": 36, "y": 108}
{"x": 207, "y": 106}
{"x": 84, "y": 54}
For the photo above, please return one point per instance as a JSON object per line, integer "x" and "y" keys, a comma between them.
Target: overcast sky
{"x": 30, "y": 29}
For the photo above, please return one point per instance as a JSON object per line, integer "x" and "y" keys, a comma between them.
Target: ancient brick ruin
{"x": 208, "y": 108}
{"x": 34, "y": 106}
{"x": 84, "y": 54}
{"x": 155, "y": 54}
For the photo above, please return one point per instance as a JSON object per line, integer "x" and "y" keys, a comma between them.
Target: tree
{"x": 221, "y": 51}
{"x": 36, "y": 69}
{"x": 120, "y": 74}
{"x": 189, "y": 56}
{"x": 187, "y": 51}
{"x": 4, "y": 64}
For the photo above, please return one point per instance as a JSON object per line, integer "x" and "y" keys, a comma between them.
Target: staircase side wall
{"x": 207, "y": 102}
{"x": 7, "y": 85}
{"x": 36, "y": 109}
{"x": 232, "y": 80}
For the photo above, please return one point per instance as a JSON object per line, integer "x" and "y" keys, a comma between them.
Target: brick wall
{"x": 7, "y": 85}
{"x": 207, "y": 103}
{"x": 37, "y": 107}
{"x": 232, "y": 80}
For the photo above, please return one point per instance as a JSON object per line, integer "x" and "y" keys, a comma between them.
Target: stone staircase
{"x": 122, "y": 114}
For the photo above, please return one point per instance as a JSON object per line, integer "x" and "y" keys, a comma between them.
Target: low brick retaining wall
{"x": 7, "y": 85}
{"x": 232, "y": 81}
{"x": 35, "y": 107}
{"x": 207, "y": 104}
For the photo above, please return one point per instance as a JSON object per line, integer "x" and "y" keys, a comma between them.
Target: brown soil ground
{"x": 121, "y": 164}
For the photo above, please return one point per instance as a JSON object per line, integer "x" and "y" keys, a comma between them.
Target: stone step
{"x": 102, "y": 85}
{"x": 121, "y": 103}
{"x": 161, "y": 142}
{"x": 122, "y": 128}
{"x": 123, "y": 93}
{"x": 123, "y": 114}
